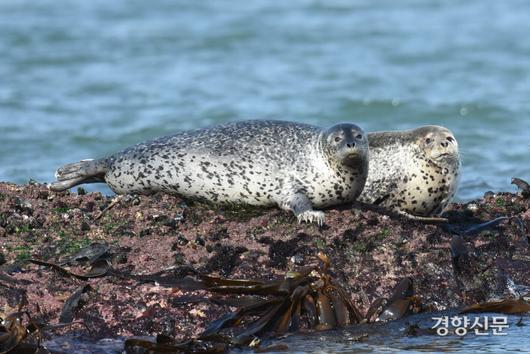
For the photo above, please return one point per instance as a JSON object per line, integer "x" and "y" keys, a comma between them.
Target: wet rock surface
{"x": 451, "y": 265}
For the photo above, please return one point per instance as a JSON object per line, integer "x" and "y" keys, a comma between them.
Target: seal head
{"x": 347, "y": 144}
{"x": 414, "y": 171}
{"x": 439, "y": 146}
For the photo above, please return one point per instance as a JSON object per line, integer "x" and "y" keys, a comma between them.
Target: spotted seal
{"x": 295, "y": 166}
{"x": 414, "y": 172}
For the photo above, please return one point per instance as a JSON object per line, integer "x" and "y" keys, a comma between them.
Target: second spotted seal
{"x": 414, "y": 172}
{"x": 295, "y": 166}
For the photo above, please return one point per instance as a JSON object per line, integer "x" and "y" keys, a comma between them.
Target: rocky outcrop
{"x": 452, "y": 264}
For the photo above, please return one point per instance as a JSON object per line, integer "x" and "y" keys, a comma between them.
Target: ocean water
{"x": 82, "y": 79}
{"x": 396, "y": 336}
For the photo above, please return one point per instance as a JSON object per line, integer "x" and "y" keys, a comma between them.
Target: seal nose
{"x": 351, "y": 145}
{"x": 449, "y": 140}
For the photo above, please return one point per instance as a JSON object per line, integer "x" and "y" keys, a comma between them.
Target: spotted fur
{"x": 292, "y": 165}
{"x": 414, "y": 171}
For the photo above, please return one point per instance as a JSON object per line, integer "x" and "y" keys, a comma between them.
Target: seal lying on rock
{"x": 292, "y": 165}
{"x": 414, "y": 172}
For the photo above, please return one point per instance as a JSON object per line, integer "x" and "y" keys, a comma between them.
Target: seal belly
{"x": 195, "y": 175}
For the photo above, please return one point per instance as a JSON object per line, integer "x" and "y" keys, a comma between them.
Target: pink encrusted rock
{"x": 369, "y": 250}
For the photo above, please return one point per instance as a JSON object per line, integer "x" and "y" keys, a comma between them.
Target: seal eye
{"x": 337, "y": 139}
{"x": 428, "y": 141}
{"x": 359, "y": 136}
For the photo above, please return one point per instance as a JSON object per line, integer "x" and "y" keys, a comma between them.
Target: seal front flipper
{"x": 302, "y": 208}
{"x": 311, "y": 216}
{"x": 84, "y": 171}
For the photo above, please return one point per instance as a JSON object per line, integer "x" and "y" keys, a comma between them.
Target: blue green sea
{"x": 82, "y": 79}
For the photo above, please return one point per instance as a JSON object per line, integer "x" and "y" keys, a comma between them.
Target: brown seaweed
{"x": 507, "y": 306}
{"x": 20, "y": 334}
{"x": 459, "y": 252}
{"x": 14, "y": 330}
{"x": 74, "y": 302}
{"x": 89, "y": 254}
{"x": 98, "y": 269}
{"x": 398, "y": 305}
{"x": 310, "y": 297}
{"x": 523, "y": 186}
{"x": 167, "y": 345}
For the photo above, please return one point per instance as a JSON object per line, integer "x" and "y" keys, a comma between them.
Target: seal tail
{"x": 84, "y": 171}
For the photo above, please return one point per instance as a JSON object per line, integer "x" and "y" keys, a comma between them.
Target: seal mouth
{"x": 447, "y": 157}
{"x": 446, "y": 154}
{"x": 352, "y": 159}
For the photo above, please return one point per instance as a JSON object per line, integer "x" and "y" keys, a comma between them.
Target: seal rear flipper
{"x": 84, "y": 171}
